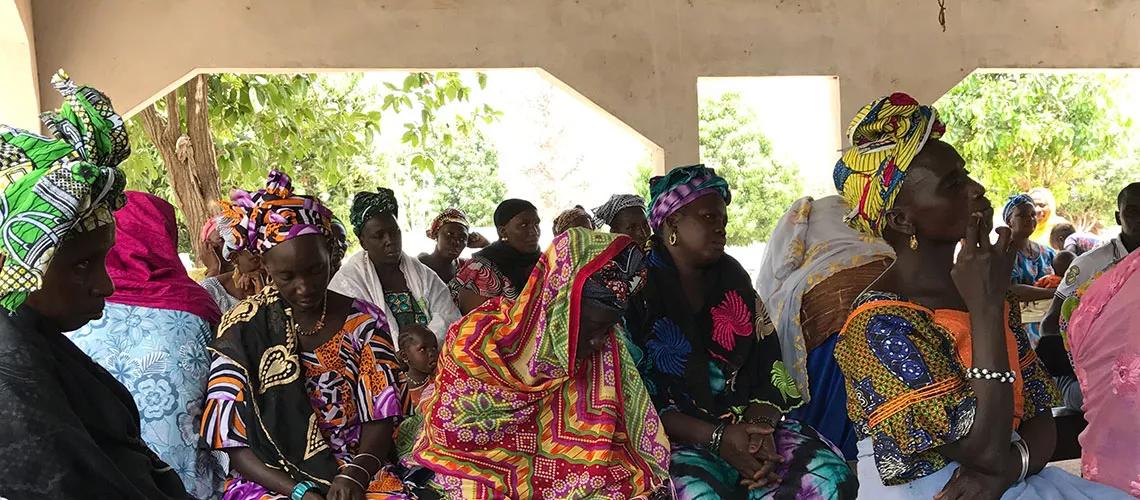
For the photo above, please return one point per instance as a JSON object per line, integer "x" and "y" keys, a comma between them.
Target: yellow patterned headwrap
{"x": 885, "y": 136}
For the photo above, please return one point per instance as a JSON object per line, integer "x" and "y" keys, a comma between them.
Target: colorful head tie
{"x": 279, "y": 215}
{"x": 682, "y": 186}
{"x": 366, "y": 205}
{"x": 1012, "y": 203}
{"x": 451, "y": 215}
{"x": 885, "y": 136}
{"x": 55, "y": 187}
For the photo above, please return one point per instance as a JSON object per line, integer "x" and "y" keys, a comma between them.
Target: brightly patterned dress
{"x": 711, "y": 364}
{"x": 347, "y": 381}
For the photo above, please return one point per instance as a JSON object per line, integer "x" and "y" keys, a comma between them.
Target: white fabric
{"x": 1090, "y": 265}
{"x": 810, "y": 243}
{"x": 1049, "y": 484}
{"x": 357, "y": 278}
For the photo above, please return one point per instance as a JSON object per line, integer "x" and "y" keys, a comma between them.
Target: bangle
{"x": 350, "y": 478}
{"x": 379, "y": 464}
{"x": 350, "y": 464}
{"x": 714, "y": 441}
{"x": 986, "y": 374}
{"x": 1023, "y": 449}
{"x": 302, "y": 488}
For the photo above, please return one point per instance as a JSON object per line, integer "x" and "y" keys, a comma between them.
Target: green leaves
{"x": 1022, "y": 130}
{"x": 731, "y": 142}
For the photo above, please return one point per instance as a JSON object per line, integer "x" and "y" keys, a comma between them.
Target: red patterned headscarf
{"x": 279, "y": 215}
{"x": 451, "y": 215}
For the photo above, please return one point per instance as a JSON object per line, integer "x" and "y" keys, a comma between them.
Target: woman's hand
{"x": 345, "y": 489}
{"x": 969, "y": 484}
{"x": 982, "y": 273}
{"x": 762, "y": 445}
{"x": 738, "y": 449}
{"x": 476, "y": 240}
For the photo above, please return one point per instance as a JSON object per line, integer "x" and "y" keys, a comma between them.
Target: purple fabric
{"x": 673, "y": 201}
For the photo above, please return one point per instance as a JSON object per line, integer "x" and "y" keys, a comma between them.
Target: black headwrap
{"x": 366, "y": 205}
{"x": 508, "y": 209}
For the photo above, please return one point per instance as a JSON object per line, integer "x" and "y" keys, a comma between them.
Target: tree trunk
{"x": 189, "y": 156}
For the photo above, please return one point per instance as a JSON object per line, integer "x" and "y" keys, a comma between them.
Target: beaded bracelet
{"x": 986, "y": 374}
{"x": 302, "y": 488}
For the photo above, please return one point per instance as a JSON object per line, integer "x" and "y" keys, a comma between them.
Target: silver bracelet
{"x": 369, "y": 455}
{"x": 1023, "y": 449}
{"x": 714, "y": 441}
{"x": 353, "y": 479}
{"x": 986, "y": 374}
{"x": 350, "y": 464}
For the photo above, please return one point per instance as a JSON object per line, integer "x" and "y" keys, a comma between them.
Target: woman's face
{"x": 631, "y": 222}
{"x": 76, "y": 284}
{"x": 380, "y": 236}
{"x": 451, "y": 240}
{"x": 522, "y": 232}
{"x": 1041, "y": 205}
{"x": 300, "y": 270}
{"x": 939, "y": 196}
{"x": 700, "y": 228}
{"x": 1023, "y": 221}
{"x": 594, "y": 326}
{"x": 246, "y": 262}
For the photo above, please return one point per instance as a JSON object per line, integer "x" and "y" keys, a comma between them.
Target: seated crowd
{"x": 887, "y": 349}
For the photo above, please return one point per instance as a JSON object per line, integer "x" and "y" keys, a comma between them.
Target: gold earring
{"x": 673, "y": 239}
{"x": 913, "y": 242}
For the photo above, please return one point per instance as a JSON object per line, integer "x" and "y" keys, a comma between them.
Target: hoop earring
{"x": 914, "y": 242}
{"x": 673, "y": 239}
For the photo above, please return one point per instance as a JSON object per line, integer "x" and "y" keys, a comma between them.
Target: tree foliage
{"x": 762, "y": 188}
{"x": 466, "y": 177}
{"x": 1061, "y": 131}
{"x": 318, "y": 129}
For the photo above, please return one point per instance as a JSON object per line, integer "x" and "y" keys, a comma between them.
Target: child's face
{"x": 422, "y": 353}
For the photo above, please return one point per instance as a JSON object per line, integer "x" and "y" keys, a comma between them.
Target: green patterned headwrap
{"x": 366, "y": 205}
{"x": 55, "y": 187}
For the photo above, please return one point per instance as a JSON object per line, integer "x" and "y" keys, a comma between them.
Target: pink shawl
{"x": 144, "y": 263}
{"x": 1104, "y": 340}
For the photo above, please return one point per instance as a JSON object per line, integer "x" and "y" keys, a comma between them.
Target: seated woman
{"x": 451, "y": 232}
{"x": 302, "y": 392}
{"x": 246, "y": 277}
{"x": 500, "y": 270}
{"x": 69, "y": 430}
{"x": 407, "y": 291}
{"x": 625, "y": 214}
{"x": 1033, "y": 262}
{"x": 1104, "y": 342}
{"x": 814, "y": 268}
{"x": 713, "y": 365}
{"x": 537, "y": 398}
{"x": 153, "y": 337}
{"x": 574, "y": 217}
{"x": 949, "y": 399}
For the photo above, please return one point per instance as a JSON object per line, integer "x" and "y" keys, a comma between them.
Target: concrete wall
{"x": 638, "y": 59}
{"x": 19, "y": 90}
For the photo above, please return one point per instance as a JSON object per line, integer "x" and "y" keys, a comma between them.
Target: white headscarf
{"x": 810, "y": 243}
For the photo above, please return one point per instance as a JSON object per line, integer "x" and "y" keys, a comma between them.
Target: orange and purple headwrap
{"x": 279, "y": 216}
{"x": 451, "y": 215}
{"x": 885, "y": 137}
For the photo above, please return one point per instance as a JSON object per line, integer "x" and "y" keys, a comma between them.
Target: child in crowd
{"x": 1061, "y": 263}
{"x": 1065, "y": 236}
{"x": 419, "y": 353}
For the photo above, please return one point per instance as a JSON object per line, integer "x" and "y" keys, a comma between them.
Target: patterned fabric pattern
{"x": 812, "y": 469}
{"x": 1012, "y": 203}
{"x": 885, "y": 137}
{"x": 515, "y": 415}
{"x": 605, "y": 214}
{"x": 405, "y": 308}
{"x": 233, "y": 223}
{"x": 481, "y": 276}
{"x": 905, "y": 374}
{"x": 351, "y": 379}
{"x": 279, "y": 216}
{"x": 165, "y": 374}
{"x": 366, "y": 205}
{"x": 55, "y": 186}
{"x": 573, "y": 217}
{"x": 682, "y": 186}
{"x": 451, "y": 215}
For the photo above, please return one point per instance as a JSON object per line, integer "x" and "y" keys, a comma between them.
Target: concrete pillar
{"x": 19, "y": 89}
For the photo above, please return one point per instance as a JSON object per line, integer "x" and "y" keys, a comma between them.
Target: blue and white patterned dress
{"x": 160, "y": 356}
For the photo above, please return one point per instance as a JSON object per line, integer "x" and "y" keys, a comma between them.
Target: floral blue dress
{"x": 160, "y": 356}
{"x": 1032, "y": 264}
